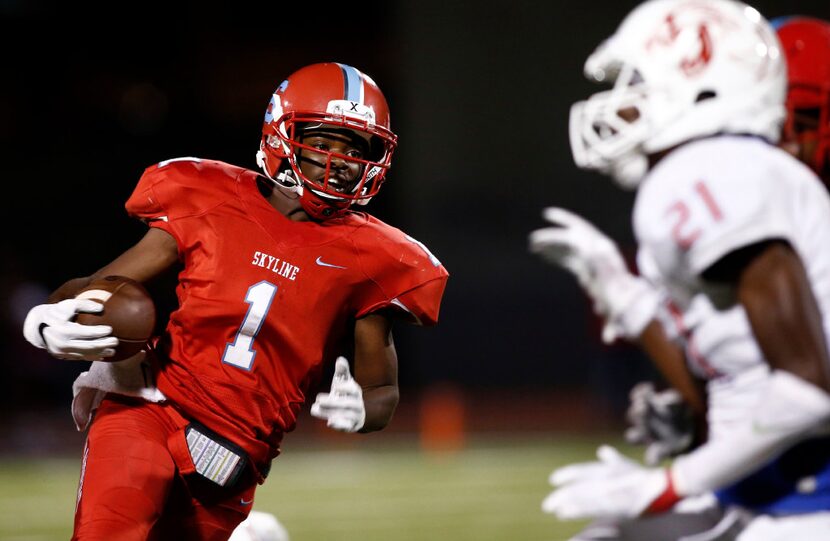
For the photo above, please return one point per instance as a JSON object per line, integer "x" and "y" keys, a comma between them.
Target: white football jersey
{"x": 703, "y": 201}
{"x": 711, "y": 197}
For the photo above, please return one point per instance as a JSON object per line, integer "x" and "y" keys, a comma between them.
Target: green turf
{"x": 394, "y": 492}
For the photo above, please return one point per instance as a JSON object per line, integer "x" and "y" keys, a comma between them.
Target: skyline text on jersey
{"x": 274, "y": 264}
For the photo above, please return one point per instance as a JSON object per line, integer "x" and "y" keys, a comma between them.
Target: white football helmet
{"x": 260, "y": 526}
{"x": 680, "y": 69}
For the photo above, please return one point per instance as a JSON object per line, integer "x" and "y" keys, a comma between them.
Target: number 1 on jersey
{"x": 241, "y": 352}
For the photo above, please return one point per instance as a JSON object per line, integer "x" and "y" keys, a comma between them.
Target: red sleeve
{"x": 180, "y": 188}
{"x": 423, "y": 303}
{"x": 404, "y": 274}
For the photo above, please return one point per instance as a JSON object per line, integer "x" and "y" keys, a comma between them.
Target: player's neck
{"x": 284, "y": 201}
{"x": 654, "y": 159}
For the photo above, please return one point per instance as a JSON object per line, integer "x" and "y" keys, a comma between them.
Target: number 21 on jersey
{"x": 241, "y": 352}
{"x": 684, "y": 233}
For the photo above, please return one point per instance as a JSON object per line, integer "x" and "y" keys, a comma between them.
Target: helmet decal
{"x": 274, "y": 109}
{"x": 670, "y": 31}
{"x": 693, "y": 66}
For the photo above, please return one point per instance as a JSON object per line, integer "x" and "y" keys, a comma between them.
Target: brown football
{"x": 128, "y": 309}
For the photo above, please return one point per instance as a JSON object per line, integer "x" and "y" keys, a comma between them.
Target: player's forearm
{"x": 773, "y": 287}
{"x": 154, "y": 254}
{"x": 789, "y": 410}
{"x": 69, "y": 289}
{"x": 784, "y": 315}
{"x": 668, "y": 358}
{"x": 380, "y": 403}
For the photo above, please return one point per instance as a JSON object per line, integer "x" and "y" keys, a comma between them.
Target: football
{"x": 128, "y": 309}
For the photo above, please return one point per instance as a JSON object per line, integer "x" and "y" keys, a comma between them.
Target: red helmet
{"x": 806, "y": 44}
{"x": 332, "y": 96}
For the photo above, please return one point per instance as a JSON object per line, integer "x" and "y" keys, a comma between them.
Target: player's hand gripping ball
{"x": 128, "y": 309}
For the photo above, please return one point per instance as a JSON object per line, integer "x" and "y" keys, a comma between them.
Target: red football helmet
{"x": 806, "y": 44}
{"x": 332, "y": 96}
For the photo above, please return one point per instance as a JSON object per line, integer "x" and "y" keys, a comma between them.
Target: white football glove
{"x": 613, "y": 487}
{"x": 260, "y": 526}
{"x": 625, "y": 301}
{"x": 659, "y": 420}
{"x": 342, "y": 407}
{"x": 50, "y": 327}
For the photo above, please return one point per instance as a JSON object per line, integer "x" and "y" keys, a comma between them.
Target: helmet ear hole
{"x": 706, "y": 95}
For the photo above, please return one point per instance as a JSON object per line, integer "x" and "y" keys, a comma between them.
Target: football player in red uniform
{"x": 280, "y": 278}
{"x": 806, "y": 43}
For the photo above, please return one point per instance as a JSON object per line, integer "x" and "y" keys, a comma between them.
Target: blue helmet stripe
{"x": 352, "y": 84}
{"x": 778, "y": 22}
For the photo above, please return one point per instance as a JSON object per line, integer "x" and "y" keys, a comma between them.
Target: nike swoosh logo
{"x": 323, "y": 264}
{"x": 243, "y": 502}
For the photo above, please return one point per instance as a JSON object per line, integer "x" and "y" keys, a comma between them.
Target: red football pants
{"x": 131, "y": 487}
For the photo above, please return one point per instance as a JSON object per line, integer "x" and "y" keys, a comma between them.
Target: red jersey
{"x": 265, "y": 301}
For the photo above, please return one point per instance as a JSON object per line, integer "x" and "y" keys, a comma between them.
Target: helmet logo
{"x": 670, "y": 31}
{"x": 665, "y": 35}
{"x": 274, "y": 109}
{"x": 693, "y": 66}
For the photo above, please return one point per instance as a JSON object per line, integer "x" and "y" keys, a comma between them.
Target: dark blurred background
{"x": 479, "y": 92}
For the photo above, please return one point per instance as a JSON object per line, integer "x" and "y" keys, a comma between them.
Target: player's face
{"x": 629, "y": 114}
{"x": 801, "y": 137}
{"x": 343, "y": 174}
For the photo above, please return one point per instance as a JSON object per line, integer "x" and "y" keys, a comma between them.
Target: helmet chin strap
{"x": 284, "y": 178}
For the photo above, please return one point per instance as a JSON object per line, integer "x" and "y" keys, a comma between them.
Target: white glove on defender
{"x": 613, "y": 487}
{"x": 260, "y": 526}
{"x": 50, "y": 327}
{"x": 342, "y": 407}
{"x": 626, "y": 302}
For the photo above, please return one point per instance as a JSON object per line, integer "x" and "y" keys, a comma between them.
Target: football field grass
{"x": 491, "y": 490}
